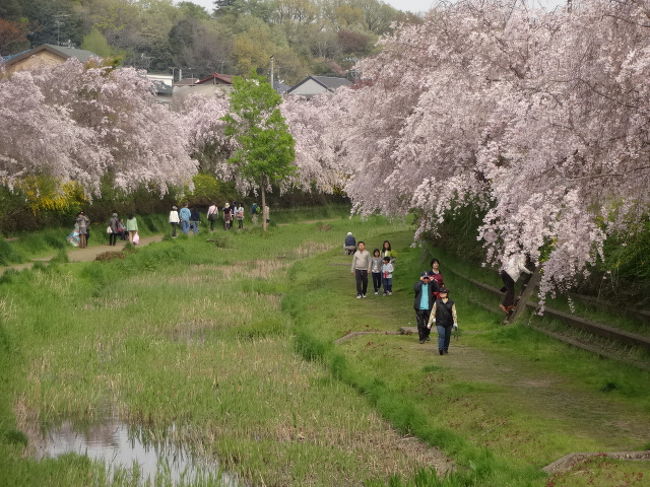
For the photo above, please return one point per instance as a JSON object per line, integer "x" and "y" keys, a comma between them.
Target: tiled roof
{"x": 332, "y": 83}
{"x": 64, "y": 52}
{"x": 216, "y": 78}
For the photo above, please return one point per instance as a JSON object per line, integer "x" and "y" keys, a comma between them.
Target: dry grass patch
{"x": 309, "y": 248}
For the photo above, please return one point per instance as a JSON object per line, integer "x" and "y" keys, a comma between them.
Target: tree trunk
{"x": 524, "y": 296}
{"x": 264, "y": 214}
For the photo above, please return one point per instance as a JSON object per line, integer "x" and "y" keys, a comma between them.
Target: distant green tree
{"x": 265, "y": 148}
{"x": 95, "y": 42}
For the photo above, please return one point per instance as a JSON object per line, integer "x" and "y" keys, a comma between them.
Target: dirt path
{"x": 82, "y": 255}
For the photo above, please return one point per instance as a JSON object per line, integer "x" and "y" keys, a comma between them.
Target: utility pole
{"x": 272, "y": 72}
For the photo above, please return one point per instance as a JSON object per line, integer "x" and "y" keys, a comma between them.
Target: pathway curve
{"x": 83, "y": 255}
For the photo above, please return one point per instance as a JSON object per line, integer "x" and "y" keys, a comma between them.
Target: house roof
{"x": 330, "y": 83}
{"x": 64, "y": 52}
{"x": 186, "y": 82}
{"x": 281, "y": 87}
{"x": 216, "y": 78}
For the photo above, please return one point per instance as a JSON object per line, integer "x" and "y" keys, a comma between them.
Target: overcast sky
{"x": 412, "y": 5}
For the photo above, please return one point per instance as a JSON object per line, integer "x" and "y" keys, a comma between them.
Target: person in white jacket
{"x": 510, "y": 272}
{"x": 174, "y": 220}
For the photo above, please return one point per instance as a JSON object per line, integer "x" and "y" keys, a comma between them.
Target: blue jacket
{"x": 185, "y": 214}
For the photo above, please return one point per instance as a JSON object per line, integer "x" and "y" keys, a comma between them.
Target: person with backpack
{"x": 425, "y": 290}
{"x": 443, "y": 317}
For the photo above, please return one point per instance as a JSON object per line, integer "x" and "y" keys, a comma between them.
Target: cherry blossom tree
{"x": 542, "y": 118}
{"x": 79, "y": 122}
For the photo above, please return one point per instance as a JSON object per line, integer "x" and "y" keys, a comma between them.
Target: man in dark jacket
{"x": 425, "y": 290}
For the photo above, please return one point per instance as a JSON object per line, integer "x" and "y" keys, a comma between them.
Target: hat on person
{"x": 425, "y": 274}
{"x": 444, "y": 290}
{"x": 114, "y": 214}
{"x": 349, "y": 233}
{"x": 174, "y": 208}
{"x": 227, "y": 205}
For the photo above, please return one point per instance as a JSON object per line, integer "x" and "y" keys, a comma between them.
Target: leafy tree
{"x": 95, "y": 42}
{"x": 12, "y": 37}
{"x": 264, "y": 151}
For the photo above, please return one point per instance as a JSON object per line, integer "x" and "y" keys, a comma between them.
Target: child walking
{"x": 387, "y": 276}
{"x": 375, "y": 268}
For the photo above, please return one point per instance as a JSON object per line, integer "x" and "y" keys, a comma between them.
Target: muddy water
{"x": 122, "y": 447}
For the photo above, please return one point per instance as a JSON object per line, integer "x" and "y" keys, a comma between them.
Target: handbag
{"x": 136, "y": 238}
{"x": 109, "y": 230}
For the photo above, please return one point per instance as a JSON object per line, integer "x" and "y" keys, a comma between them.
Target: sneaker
{"x": 440, "y": 352}
{"x": 446, "y": 351}
{"x": 390, "y": 293}
{"x": 428, "y": 339}
{"x": 376, "y": 293}
{"x": 422, "y": 341}
{"x": 358, "y": 296}
{"x": 363, "y": 296}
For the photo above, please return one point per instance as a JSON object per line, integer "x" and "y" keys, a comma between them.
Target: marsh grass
{"x": 187, "y": 333}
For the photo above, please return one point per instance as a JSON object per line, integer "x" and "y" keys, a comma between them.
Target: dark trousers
{"x": 361, "y": 276}
{"x": 240, "y": 223}
{"x": 174, "y": 228}
{"x": 112, "y": 239}
{"x": 376, "y": 280}
{"x": 212, "y": 219}
{"x": 388, "y": 284}
{"x": 422, "y": 318}
{"x": 509, "y": 284}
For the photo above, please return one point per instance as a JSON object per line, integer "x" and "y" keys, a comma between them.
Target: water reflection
{"x": 122, "y": 447}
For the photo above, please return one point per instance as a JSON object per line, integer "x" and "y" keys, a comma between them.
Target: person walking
{"x": 375, "y": 268}
{"x": 195, "y": 220}
{"x": 424, "y": 298}
{"x": 361, "y": 263}
{"x": 349, "y": 244}
{"x": 213, "y": 214}
{"x": 239, "y": 216}
{"x": 510, "y": 272}
{"x": 435, "y": 273}
{"x": 254, "y": 211}
{"x": 174, "y": 220}
{"x": 116, "y": 229}
{"x": 132, "y": 228}
{"x": 387, "y": 276}
{"x": 443, "y": 317}
{"x": 386, "y": 250}
{"x": 82, "y": 222}
{"x": 227, "y": 216}
{"x": 185, "y": 215}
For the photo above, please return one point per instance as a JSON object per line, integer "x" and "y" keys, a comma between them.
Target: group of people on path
{"x": 433, "y": 307}
{"x": 379, "y": 265}
{"x": 115, "y": 230}
{"x": 189, "y": 219}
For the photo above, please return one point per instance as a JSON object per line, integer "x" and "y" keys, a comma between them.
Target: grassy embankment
{"x": 504, "y": 403}
{"x": 47, "y": 242}
{"x": 192, "y": 334}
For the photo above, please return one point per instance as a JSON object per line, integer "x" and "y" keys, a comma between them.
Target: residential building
{"x": 45, "y": 55}
{"x": 315, "y": 85}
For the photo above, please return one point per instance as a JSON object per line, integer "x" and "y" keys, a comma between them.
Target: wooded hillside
{"x": 304, "y": 36}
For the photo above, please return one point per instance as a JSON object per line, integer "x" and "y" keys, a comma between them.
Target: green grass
{"x": 188, "y": 333}
{"x": 503, "y": 404}
{"x": 204, "y": 335}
